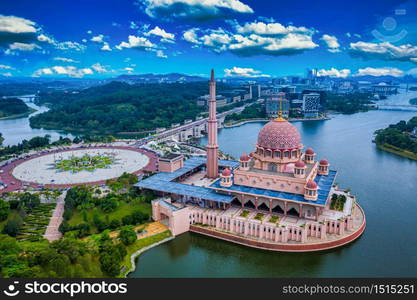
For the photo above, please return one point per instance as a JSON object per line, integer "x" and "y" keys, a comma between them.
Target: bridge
{"x": 25, "y": 98}
{"x": 397, "y": 107}
{"x": 194, "y": 129}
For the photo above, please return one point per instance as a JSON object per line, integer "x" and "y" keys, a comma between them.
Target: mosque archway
{"x": 264, "y": 207}
{"x": 249, "y": 204}
{"x": 278, "y": 209}
{"x": 236, "y": 202}
{"x": 292, "y": 212}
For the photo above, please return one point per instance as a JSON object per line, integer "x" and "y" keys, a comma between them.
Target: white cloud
{"x": 331, "y": 42}
{"x": 97, "y": 39}
{"x": 220, "y": 40}
{"x": 7, "y": 74}
{"x": 129, "y": 70}
{"x": 166, "y": 37}
{"x": 244, "y": 72}
{"x": 160, "y": 54}
{"x": 47, "y": 39}
{"x": 191, "y": 36}
{"x": 99, "y": 68}
{"x": 106, "y": 47}
{"x": 335, "y": 73}
{"x": 64, "y": 59}
{"x": 12, "y": 24}
{"x": 68, "y": 45}
{"x": 386, "y": 71}
{"x": 136, "y": 42}
{"x": 23, "y": 46}
{"x": 269, "y": 29}
{"x": 70, "y": 71}
{"x": 196, "y": 10}
{"x": 385, "y": 50}
{"x": 133, "y": 25}
{"x": 6, "y": 67}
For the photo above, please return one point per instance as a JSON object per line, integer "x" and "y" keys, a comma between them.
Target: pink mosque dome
{"x": 279, "y": 134}
{"x": 310, "y": 151}
{"x": 324, "y": 162}
{"x": 251, "y": 154}
{"x": 244, "y": 157}
{"x": 311, "y": 185}
{"x": 300, "y": 164}
{"x": 226, "y": 172}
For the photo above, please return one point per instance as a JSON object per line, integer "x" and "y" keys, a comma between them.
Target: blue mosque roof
{"x": 164, "y": 182}
{"x": 324, "y": 183}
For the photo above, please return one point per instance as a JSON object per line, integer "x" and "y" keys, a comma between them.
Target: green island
{"x": 11, "y": 108}
{"x": 84, "y": 163}
{"x": 120, "y": 107}
{"x": 397, "y": 139}
{"x": 413, "y": 88}
{"x": 413, "y": 101}
{"x": 348, "y": 103}
{"x": 102, "y": 228}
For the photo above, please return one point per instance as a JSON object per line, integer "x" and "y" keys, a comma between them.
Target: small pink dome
{"x": 300, "y": 164}
{"x": 251, "y": 154}
{"x": 244, "y": 157}
{"x": 279, "y": 135}
{"x": 324, "y": 162}
{"x": 310, "y": 151}
{"x": 311, "y": 185}
{"x": 226, "y": 172}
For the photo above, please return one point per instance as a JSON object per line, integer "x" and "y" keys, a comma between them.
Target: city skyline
{"x": 238, "y": 38}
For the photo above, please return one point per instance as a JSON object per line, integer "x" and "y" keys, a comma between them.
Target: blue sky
{"x": 86, "y": 39}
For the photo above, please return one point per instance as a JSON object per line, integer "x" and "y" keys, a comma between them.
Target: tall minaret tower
{"x": 212, "y": 147}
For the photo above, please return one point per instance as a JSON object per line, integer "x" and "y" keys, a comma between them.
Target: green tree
{"x": 13, "y": 225}
{"x": 127, "y": 235}
{"x": 4, "y": 209}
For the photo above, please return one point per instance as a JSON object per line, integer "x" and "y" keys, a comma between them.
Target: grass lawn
{"x": 122, "y": 210}
{"x": 398, "y": 151}
{"x": 139, "y": 244}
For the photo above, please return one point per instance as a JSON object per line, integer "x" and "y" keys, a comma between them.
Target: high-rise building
{"x": 212, "y": 146}
{"x": 274, "y": 101}
{"x": 311, "y": 104}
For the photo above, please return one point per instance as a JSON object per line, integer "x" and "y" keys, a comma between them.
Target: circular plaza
{"x": 93, "y": 165}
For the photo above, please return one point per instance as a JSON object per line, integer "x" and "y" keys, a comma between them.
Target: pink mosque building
{"x": 279, "y": 197}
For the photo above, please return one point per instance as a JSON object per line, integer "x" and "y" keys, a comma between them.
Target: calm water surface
{"x": 16, "y": 130}
{"x": 386, "y": 187}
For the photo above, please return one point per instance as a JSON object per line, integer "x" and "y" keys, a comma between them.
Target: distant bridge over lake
{"x": 397, "y": 107}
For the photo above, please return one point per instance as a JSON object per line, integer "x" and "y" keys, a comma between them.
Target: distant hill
{"x": 159, "y": 78}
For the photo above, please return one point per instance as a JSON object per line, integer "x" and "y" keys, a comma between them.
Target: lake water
{"x": 16, "y": 130}
{"x": 386, "y": 187}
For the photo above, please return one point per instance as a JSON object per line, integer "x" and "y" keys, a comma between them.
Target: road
{"x": 176, "y": 130}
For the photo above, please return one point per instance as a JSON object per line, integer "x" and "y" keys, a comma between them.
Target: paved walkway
{"x": 52, "y": 232}
{"x": 150, "y": 229}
